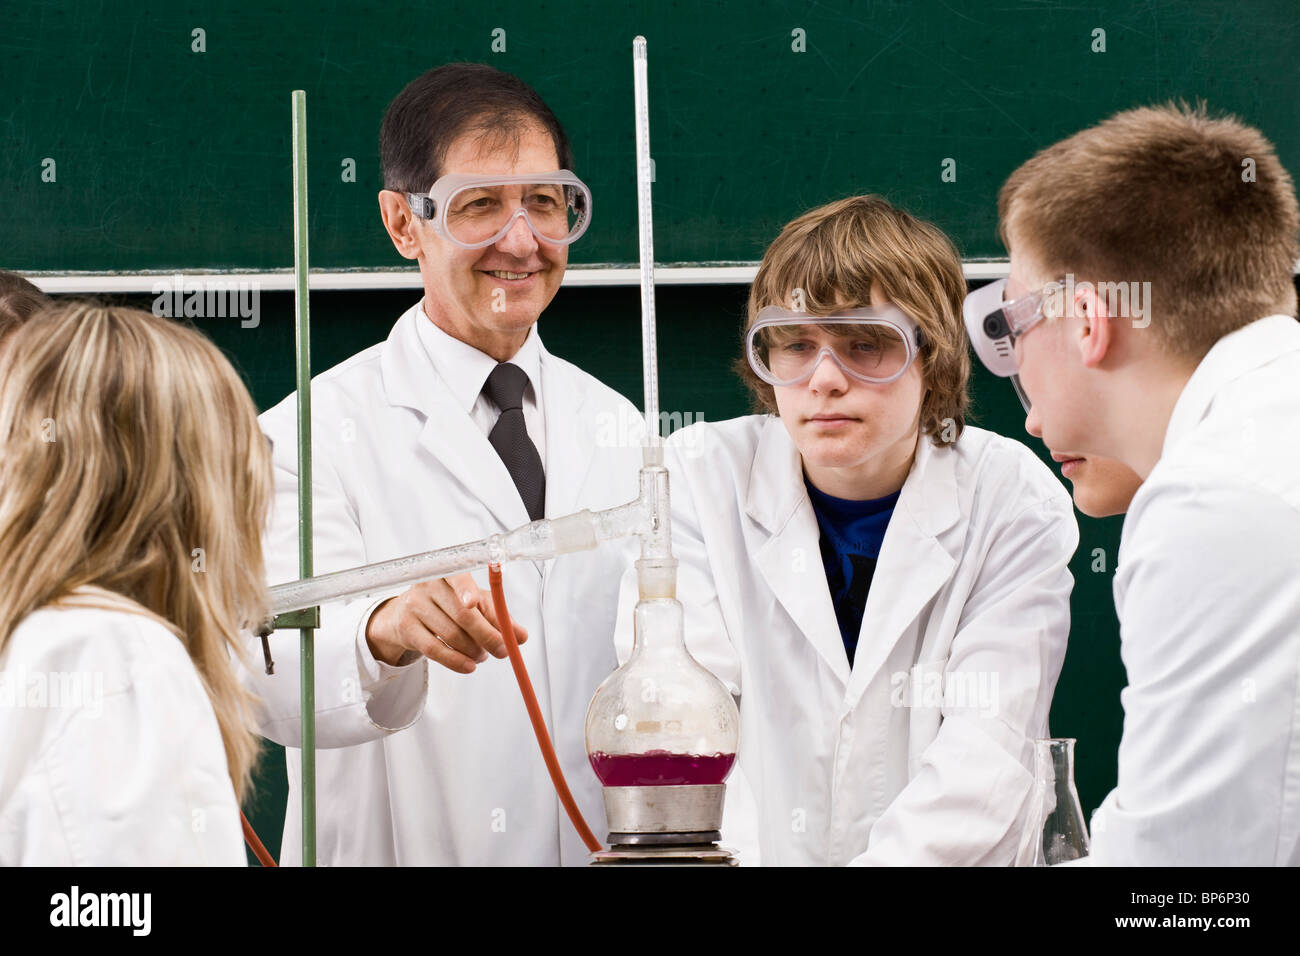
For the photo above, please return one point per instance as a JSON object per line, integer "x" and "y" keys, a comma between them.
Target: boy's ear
{"x": 1096, "y": 325}
{"x": 399, "y": 222}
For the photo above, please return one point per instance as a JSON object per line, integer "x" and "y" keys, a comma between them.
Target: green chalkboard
{"x": 167, "y": 157}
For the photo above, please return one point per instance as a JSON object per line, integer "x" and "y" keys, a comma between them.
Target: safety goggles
{"x": 875, "y": 346}
{"x": 994, "y": 324}
{"x": 476, "y": 211}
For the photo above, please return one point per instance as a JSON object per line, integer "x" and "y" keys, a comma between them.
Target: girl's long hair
{"x": 133, "y": 472}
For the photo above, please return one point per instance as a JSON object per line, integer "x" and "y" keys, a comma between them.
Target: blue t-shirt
{"x": 851, "y": 535}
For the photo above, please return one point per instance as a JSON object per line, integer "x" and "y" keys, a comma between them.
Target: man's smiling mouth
{"x": 503, "y": 274}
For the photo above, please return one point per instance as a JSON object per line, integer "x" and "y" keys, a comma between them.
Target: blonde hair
{"x": 835, "y": 254}
{"x": 1199, "y": 206}
{"x": 126, "y": 443}
{"x": 19, "y": 299}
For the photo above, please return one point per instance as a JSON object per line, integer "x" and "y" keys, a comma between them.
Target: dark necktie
{"x": 509, "y": 436}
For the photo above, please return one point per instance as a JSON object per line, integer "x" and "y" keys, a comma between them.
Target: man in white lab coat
{"x": 1151, "y": 306}
{"x": 460, "y": 425}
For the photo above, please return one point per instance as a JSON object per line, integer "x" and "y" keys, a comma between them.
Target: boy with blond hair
{"x": 884, "y": 587}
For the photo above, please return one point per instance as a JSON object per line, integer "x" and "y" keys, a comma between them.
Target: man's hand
{"x": 450, "y": 621}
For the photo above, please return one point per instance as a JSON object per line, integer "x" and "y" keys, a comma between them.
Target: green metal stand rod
{"x": 302, "y": 327}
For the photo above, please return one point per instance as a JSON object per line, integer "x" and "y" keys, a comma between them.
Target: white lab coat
{"x": 970, "y": 597}
{"x": 400, "y": 468}
{"x": 110, "y": 753}
{"x": 1207, "y": 588}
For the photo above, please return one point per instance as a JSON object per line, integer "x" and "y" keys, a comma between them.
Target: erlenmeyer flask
{"x": 1055, "y": 831}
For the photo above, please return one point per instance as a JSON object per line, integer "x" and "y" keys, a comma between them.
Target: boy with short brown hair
{"x": 1200, "y": 395}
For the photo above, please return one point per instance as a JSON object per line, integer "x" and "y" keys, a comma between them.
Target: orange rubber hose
{"x": 250, "y": 837}
{"x": 535, "y": 712}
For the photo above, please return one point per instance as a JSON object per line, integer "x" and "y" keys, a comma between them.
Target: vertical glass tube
{"x": 649, "y": 359}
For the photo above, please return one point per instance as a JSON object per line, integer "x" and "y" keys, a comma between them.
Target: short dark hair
{"x": 437, "y": 107}
{"x": 19, "y": 299}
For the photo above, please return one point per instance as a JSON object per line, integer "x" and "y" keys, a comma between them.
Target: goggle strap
{"x": 421, "y": 204}
{"x": 1020, "y": 392}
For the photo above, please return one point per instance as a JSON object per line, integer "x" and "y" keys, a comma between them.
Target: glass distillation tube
{"x": 1056, "y": 830}
{"x": 662, "y": 731}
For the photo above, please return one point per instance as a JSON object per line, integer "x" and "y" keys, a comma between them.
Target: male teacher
{"x": 460, "y": 425}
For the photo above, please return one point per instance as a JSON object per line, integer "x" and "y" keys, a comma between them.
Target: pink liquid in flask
{"x": 659, "y": 768}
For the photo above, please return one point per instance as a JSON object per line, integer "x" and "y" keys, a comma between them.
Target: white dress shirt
{"x": 110, "y": 753}
{"x": 465, "y": 369}
{"x": 1207, "y": 589}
